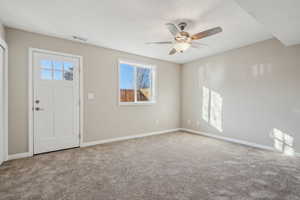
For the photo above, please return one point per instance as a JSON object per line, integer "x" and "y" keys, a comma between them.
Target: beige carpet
{"x": 176, "y": 166}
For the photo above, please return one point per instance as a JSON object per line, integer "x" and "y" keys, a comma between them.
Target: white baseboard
{"x": 86, "y": 144}
{"x": 250, "y": 144}
{"x": 19, "y": 155}
{"x": 230, "y": 139}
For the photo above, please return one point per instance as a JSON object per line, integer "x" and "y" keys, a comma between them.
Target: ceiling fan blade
{"x": 165, "y": 42}
{"x": 197, "y": 45}
{"x": 172, "y": 52}
{"x": 173, "y": 29}
{"x": 206, "y": 33}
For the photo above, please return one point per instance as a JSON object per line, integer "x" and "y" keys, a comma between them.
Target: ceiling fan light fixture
{"x": 184, "y": 40}
{"x": 181, "y": 46}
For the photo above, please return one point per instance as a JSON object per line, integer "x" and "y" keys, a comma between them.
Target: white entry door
{"x": 2, "y": 109}
{"x": 56, "y": 102}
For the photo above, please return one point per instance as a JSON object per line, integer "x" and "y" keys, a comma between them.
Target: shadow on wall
{"x": 283, "y": 142}
{"x": 212, "y": 103}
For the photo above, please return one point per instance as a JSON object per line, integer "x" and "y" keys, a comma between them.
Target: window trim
{"x": 153, "y": 83}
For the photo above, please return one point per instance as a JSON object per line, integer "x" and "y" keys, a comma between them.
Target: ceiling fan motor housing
{"x": 182, "y": 25}
{"x": 182, "y": 36}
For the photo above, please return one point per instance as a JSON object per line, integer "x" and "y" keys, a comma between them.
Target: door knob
{"x": 37, "y": 101}
{"x": 38, "y": 109}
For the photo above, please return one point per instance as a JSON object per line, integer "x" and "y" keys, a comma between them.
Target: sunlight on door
{"x": 212, "y": 103}
{"x": 283, "y": 142}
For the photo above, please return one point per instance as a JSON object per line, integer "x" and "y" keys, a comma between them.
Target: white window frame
{"x": 153, "y": 83}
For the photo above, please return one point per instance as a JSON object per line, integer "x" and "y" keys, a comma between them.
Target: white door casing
{"x": 2, "y": 108}
{"x": 56, "y": 118}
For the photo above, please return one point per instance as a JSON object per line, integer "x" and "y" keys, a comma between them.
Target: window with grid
{"x": 56, "y": 70}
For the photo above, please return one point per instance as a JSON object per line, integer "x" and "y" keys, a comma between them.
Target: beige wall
{"x": 103, "y": 118}
{"x": 259, "y": 85}
{"x": 260, "y": 88}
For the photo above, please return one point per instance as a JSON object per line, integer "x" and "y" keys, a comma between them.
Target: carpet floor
{"x": 175, "y": 166}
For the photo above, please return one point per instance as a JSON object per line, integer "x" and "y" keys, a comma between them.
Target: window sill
{"x": 150, "y": 103}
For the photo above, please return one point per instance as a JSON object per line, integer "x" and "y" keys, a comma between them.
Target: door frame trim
{"x": 30, "y": 94}
{"x": 5, "y": 47}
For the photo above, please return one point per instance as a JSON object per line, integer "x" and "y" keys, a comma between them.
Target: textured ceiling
{"x": 281, "y": 17}
{"x": 127, "y": 25}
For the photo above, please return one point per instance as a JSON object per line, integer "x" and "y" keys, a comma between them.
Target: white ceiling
{"x": 127, "y": 24}
{"x": 280, "y": 17}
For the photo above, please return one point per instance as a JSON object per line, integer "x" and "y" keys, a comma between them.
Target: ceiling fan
{"x": 183, "y": 40}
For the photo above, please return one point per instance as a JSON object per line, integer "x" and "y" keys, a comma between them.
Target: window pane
{"x": 46, "y": 74}
{"x": 68, "y": 75}
{"x": 68, "y": 66}
{"x": 68, "y": 71}
{"x": 58, "y": 75}
{"x": 46, "y": 64}
{"x": 57, "y": 65}
{"x": 126, "y": 83}
{"x": 143, "y": 84}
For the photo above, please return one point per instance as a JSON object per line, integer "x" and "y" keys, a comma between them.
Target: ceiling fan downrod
{"x": 182, "y": 25}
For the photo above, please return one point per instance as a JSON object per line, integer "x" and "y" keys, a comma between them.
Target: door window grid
{"x": 56, "y": 70}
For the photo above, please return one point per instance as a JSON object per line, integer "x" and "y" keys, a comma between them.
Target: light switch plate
{"x": 91, "y": 96}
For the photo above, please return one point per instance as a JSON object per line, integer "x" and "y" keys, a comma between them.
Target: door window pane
{"x": 46, "y": 64}
{"x": 57, "y": 65}
{"x": 143, "y": 84}
{"x": 46, "y": 74}
{"x": 68, "y": 66}
{"x": 68, "y": 71}
{"x": 126, "y": 83}
{"x": 68, "y": 75}
{"x": 56, "y": 70}
{"x": 57, "y": 75}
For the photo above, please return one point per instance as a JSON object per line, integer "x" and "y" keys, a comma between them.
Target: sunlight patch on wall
{"x": 283, "y": 142}
{"x": 212, "y": 103}
{"x": 261, "y": 69}
{"x": 205, "y": 104}
{"x": 216, "y": 104}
